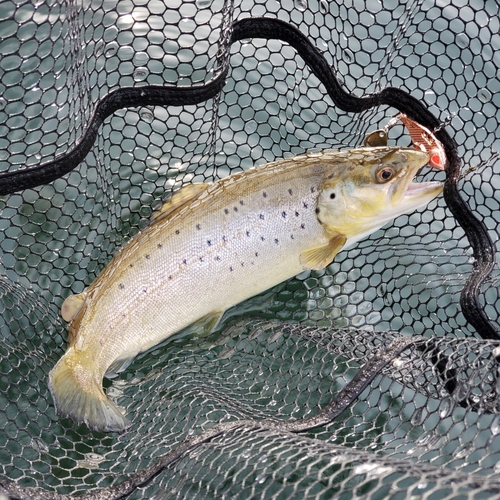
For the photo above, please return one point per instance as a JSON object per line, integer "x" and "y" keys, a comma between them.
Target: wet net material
{"x": 377, "y": 377}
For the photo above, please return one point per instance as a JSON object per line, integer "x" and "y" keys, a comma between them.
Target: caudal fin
{"x": 78, "y": 394}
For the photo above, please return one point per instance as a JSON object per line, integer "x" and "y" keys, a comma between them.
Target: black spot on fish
{"x": 290, "y": 192}
{"x": 131, "y": 265}
{"x": 160, "y": 245}
{"x": 276, "y": 240}
{"x": 331, "y": 176}
{"x": 256, "y": 254}
{"x": 262, "y": 238}
{"x": 332, "y": 196}
{"x": 170, "y": 277}
{"x": 291, "y": 236}
{"x": 184, "y": 261}
{"x": 317, "y": 210}
{"x": 296, "y": 214}
{"x": 264, "y": 194}
{"x": 242, "y": 264}
{"x": 235, "y": 209}
{"x": 283, "y": 214}
{"x": 121, "y": 286}
{"x": 248, "y": 233}
{"x": 177, "y": 231}
{"x": 218, "y": 257}
{"x": 231, "y": 268}
{"x": 261, "y": 216}
{"x": 198, "y": 226}
{"x": 312, "y": 190}
{"x": 209, "y": 242}
{"x": 226, "y": 211}
{"x": 148, "y": 257}
{"x": 242, "y": 202}
{"x": 224, "y": 239}
{"x": 144, "y": 290}
{"x": 201, "y": 259}
{"x": 302, "y": 226}
{"x": 305, "y": 205}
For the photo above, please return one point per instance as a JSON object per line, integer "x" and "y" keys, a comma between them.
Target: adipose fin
{"x": 72, "y": 306}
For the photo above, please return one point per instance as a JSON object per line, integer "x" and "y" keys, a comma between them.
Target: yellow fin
{"x": 178, "y": 199}
{"x": 72, "y": 306}
{"x": 318, "y": 258}
{"x": 78, "y": 394}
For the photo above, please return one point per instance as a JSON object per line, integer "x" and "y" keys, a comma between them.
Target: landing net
{"x": 377, "y": 377}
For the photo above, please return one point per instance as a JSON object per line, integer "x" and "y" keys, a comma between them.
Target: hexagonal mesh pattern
{"x": 425, "y": 425}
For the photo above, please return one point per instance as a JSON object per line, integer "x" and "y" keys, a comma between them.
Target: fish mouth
{"x": 417, "y": 194}
{"x": 412, "y": 194}
{"x": 422, "y": 188}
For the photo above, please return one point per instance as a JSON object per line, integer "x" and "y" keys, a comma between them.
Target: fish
{"x": 212, "y": 246}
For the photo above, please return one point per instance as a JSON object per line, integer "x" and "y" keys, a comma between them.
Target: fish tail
{"x": 78, "y": 394}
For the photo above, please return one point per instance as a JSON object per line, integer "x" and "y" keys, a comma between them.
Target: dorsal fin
{"x": 178, "y": 199}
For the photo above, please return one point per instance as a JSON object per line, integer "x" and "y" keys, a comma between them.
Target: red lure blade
{"x": 424, "y": 139}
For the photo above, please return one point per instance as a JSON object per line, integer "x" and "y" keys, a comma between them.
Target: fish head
{"x": 372, "y": 186}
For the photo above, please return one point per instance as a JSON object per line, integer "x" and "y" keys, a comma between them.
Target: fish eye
{"x": 385, "y": 174}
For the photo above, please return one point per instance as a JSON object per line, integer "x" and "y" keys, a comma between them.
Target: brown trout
{"x": 212, "y": 246}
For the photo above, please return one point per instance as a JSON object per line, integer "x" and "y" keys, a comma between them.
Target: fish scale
{"x": 213, "y": 246}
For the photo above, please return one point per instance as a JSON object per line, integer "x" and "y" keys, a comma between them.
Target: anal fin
{"x": 118, "y": 365}
{"x": 207, "y": 324}
{"x": 320, "y": 257}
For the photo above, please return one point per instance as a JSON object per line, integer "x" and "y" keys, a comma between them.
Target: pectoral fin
{"x": 319, "y": 258}
{"x": 178, "y": 199}
{"x": 72, "y": 306}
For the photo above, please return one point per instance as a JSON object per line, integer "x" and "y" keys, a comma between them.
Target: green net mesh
{"x": 425, "y": 426}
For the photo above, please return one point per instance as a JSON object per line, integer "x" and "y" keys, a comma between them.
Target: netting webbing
{"x": 426, "y": 425}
